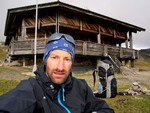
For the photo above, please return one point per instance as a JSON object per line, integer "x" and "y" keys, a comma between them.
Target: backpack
{"x": 105, "y": 73}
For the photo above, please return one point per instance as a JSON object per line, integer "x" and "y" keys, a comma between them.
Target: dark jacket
{"x": 40, "y": 95}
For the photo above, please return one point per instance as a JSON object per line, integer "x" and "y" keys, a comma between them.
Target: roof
{"x": 15, "y": 13}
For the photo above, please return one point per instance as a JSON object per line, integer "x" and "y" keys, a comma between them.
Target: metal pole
{"x": 35, "y": 40}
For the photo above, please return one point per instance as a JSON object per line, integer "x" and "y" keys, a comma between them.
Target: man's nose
{"x": 60, "y": 65}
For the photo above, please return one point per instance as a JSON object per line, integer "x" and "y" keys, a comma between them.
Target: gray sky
{"x": 135, "y": 12}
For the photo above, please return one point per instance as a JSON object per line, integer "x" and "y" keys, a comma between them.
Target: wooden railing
{"x": 82, "y": 48}
{"x": 27, "y": 47}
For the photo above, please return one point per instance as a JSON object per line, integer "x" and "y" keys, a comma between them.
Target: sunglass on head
{"x": 58, "y": 36}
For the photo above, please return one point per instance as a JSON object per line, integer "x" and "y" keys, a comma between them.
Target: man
{"x": 54, "y": 89}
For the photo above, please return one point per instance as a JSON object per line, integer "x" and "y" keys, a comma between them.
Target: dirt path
{"x": 126, "y": 78}
{"x": 142, "y": 77}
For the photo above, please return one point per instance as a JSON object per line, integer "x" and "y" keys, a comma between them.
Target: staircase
{"x": 115, "y": 61}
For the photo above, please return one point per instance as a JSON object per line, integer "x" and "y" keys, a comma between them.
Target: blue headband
{"x": 60, "y": 44}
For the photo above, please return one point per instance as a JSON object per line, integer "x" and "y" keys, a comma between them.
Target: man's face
{"x": 58, "y": 66}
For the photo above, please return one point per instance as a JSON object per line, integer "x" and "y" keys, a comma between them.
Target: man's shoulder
{"x": 24, "y": 86}
{"x": 79, "y": 81}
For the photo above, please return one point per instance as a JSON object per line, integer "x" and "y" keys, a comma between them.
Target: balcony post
{"x": 131, "y": 40}
{"x": 133, "y": 55}
{"x": 126, "y": 62}
{"x": 99, "y": 36}
{"x": 121, "y": 52}
{"x": 132, "y": 63}
{"x": 105, "y": 50}
{"x": 12, "y": 47}
{"x": 23, "y": 31}
{"x": 126, "y": 42}
{"x": 57, "y": 23}
{"x": 84, "y": 48}
{"x": 24, "y": 61}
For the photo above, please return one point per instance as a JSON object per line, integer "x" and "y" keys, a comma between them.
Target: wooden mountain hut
{"x": 96, "y": 35}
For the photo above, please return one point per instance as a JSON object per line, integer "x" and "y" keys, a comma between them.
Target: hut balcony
{"x": 26, "y": 47}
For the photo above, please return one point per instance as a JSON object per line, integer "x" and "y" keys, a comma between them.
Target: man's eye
{"x": 68, "y": 59}
{"x": 54, "y": 57}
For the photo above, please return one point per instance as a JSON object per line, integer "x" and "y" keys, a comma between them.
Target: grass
{"x": 130, "y": 104}
{"x": 2, "y": 53}
{"x": 142, "y": 63}
{"x": 7, "y": 85}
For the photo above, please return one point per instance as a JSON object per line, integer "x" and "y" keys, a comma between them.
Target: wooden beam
{"x": 131, "y": 40}
{"x": 57, "y": 23}
{"x": 126, "y": 42}
{"x": 120, "y": 52}
{"x": 99, "y": 35}
{"x": 80, "y": 23}
{"x": 132, "y": 63}
{"x": 24, "y": 61}
{"x": 114, "y": 33}
{"x": 23, "y": 33}
{"x": 105, "y": 50}
{"x": 84, "y": 48}
{"x": 39, "y": 23}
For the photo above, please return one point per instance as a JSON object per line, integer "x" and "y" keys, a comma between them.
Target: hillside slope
{"x": 3, "y": 51}
{"x": 144, "y": 54}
